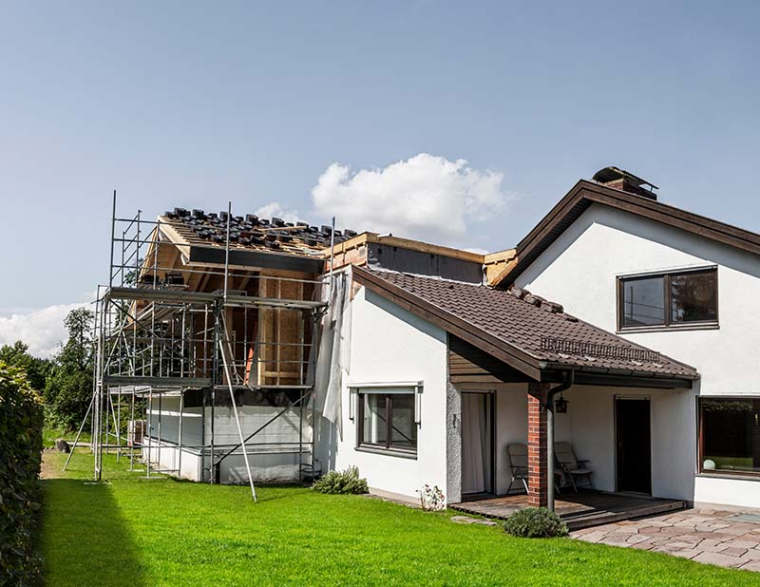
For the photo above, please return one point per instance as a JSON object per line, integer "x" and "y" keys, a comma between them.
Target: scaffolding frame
{"x": 155, "y": 338}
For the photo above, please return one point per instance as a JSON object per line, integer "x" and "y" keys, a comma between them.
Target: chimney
{"x": 620, "y": 179}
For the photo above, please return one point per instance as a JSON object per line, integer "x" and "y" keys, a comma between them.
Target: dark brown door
{"x": 634, "y": 445}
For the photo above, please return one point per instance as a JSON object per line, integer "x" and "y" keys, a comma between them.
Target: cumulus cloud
{"x": 276, "y": 210}
{"x": 42, "y": 330}
{"x": 426, "y": 197}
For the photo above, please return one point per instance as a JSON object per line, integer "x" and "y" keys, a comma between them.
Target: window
{"x": 730, "y": 435}
{"x": 387, "y": 421}
{"x": 668, "y": 300}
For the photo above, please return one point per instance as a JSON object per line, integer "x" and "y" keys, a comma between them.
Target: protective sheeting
{"x": 334, "y": 351}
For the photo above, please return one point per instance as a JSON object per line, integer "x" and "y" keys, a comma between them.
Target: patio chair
{"x": 518, "y": 465}
{"x": 571, "y": 467}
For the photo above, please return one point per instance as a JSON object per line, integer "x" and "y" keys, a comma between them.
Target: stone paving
{"x": 712, "y": 536}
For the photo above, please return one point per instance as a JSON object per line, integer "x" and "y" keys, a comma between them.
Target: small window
{"x": 671, "y": 299}
{"x": 387, "y": 421}
{"x": 730, "y": 435}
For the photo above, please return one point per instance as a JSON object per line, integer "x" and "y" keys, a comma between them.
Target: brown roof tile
{"x": 536, "y": 327}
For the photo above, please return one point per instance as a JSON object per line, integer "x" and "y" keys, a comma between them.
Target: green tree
{"x": 69, "y": 388}
{"x": 37, "y": 370}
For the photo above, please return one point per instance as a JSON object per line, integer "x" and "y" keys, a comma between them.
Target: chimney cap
{"x": 611, "y": 173}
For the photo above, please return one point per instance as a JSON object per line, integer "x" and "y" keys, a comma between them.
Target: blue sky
{"x": 194, "y": 104}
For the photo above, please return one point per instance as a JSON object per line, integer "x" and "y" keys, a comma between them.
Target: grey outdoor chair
{"x": 518, "y": 465}
{"x": 571, "y": 467}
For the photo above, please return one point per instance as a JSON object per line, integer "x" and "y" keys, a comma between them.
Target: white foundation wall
{"x": 390, "y": 345}
{"x": 163, "y": 421}
{"x": 275, "y": 460}
{"x": 580, "y": 270}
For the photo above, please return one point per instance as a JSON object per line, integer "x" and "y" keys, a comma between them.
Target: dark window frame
{"x": 668, "y": 322}
{"x": 386, "y": 447}
{"x": 701, "y": 441}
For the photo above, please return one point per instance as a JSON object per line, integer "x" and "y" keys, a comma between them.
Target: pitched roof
{"x": 525, "y": 331}
{"x": 585, "y": 193}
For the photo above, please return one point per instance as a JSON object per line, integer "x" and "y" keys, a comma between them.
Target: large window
{"x": 730, "y": 435}
{"x": 387, "y": 421}
{"x": 668, "y": 300}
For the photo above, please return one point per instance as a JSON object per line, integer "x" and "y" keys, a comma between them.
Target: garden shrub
{"x": 535, "y": 523}
{"x": 347, "y": 481}
{"x": 21, "y": 419}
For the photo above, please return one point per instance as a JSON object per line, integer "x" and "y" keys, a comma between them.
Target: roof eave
{"x": 585, "y": 193}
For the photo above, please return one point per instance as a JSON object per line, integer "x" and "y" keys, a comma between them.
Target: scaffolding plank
{"x": 164, "y": 295}
{"x": 140, "y": 381}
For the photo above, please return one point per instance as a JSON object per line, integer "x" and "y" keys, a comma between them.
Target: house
{"x": 288, "y": 350}
{"x": 638, "y": 315}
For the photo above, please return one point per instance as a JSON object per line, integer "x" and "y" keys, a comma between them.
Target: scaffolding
{"x": 200, "y": 337}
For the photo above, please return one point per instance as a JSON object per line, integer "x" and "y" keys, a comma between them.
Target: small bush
{"x": 535, "y": 523}
{"x": 347, "y": 481}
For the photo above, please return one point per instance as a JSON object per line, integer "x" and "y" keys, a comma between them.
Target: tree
{"x": 69, "y": 389}
{"x": 37, "y": 370}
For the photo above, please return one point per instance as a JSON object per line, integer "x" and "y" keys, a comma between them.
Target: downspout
{"x": 567, "y": 384}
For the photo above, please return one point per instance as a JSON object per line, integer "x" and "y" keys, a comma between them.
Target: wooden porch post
{"x": 538, "y": 473}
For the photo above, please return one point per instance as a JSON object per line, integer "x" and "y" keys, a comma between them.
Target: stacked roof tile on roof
{"x": 251, "y": 232}
{"x": 537, "y": 327}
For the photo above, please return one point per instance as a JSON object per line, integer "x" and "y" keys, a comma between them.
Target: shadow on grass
{"x": 85, "y": 539}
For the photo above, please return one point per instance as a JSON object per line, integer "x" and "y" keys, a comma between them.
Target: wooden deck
{"x": 577, "y": 510}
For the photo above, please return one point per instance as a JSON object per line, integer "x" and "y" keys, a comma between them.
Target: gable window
{"x": 668, "y": 300}
{"x": 729, "y": 435}
{"x": 387, "y": 421}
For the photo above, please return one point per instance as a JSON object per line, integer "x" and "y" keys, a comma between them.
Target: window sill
{"x": 678, "y": 328}
{"x": 387, "y": 452}
{"x": 731, "y": 476}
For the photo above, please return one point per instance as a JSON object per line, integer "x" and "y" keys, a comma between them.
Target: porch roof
{"x": 528, "y": 333}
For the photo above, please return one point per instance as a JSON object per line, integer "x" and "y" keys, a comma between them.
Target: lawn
{"x": 137, "y": 532}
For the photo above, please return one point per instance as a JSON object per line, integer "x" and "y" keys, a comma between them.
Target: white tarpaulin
{"x": 334, "y": 351}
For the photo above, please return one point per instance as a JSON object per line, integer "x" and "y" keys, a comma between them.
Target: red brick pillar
{"x": 537, "y": 465}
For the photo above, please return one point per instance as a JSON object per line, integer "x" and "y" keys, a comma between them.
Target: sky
{"x": 459, "y": 123}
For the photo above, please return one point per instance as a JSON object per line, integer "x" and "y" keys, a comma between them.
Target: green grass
{"x": 137, "y": 532}
{"x": 50, "y": 435}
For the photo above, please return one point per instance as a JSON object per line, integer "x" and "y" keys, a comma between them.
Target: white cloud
{"x": 276, "y": 210}
{"x": 426, "y": 197}
{"x": 42, "y": 330}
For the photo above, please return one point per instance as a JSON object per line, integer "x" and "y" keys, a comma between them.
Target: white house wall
{"x": 390, "y": 345}
{"x": 580, "y": 270}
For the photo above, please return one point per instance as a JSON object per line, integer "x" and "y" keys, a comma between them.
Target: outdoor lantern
{"x": 560, "y": 405}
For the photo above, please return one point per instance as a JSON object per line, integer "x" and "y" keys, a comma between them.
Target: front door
{"x": 634, "y": 445}
{"x": 477, "y": 443}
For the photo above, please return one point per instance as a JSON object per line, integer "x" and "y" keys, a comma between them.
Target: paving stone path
{"x": 712, "y": 536}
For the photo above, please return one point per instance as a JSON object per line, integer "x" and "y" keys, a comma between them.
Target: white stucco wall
{"x": 389, "y": 345}
{"x": 589, "y": 425}
{"x": 580, "y": 270}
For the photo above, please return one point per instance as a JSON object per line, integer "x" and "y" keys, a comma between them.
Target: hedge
{"x": 21, "y": 418}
